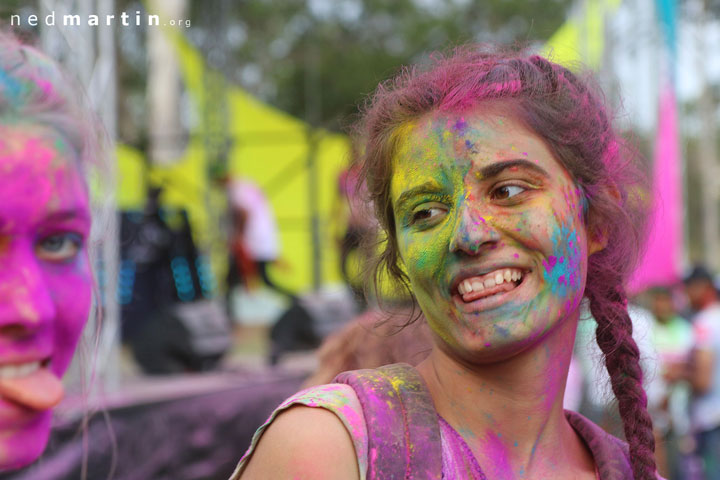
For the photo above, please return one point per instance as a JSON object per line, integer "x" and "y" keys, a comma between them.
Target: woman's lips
{"x": 488, "y": 292}
{"x": 491, "y": 283}
{"x": 30, "y": 385}
{"x": 492, "y": 294}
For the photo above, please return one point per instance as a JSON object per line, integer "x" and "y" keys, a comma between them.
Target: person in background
{"x": 702, "y": 369}
{"x": 673, "y": 340}
{"x": 254, "y": 242}
{"x": 371, "y": 340}
{"x": 48, "y": 145}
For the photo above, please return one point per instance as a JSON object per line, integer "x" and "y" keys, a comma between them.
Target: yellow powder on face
{"x": 399, "y": 138}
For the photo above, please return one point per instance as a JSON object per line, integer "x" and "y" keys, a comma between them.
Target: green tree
{"x": 317, "y": 59}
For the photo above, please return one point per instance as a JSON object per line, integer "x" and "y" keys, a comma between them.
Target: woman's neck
{"x": 511, "y": 413}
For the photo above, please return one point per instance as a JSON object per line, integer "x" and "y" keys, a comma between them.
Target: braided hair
{"x": 567, "y": 111}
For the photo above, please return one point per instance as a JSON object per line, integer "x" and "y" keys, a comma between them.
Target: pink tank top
{"x": 609, "y": 453}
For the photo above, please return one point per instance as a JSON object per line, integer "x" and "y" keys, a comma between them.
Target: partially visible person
{"x": 254, "y": 246}
{"x": 47, "y": 146}
{"x": 673, "y": 340}
{"x": 702, "y": 371}
{"x": 254, "y": 240}
{"x": 372, "y": 340}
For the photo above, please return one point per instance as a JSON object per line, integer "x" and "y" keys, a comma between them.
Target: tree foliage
{"x": 316, "y": 59}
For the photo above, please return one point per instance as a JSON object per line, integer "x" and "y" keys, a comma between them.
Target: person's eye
{"x": 506, "y": 191}
{"x": 428, "y": 214}
{"x": 59, "y": 247}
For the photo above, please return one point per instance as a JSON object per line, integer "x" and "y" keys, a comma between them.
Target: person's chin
{"x": 22, "y": 446}
{"x": 498, "y": 341}
{"x": 494, "y": 350}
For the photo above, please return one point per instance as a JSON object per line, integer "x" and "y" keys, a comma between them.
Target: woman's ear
{"x": 597, "y": 240}
{"x": 598, "y": 230}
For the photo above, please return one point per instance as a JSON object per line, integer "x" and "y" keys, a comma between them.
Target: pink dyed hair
{"x": 568, "y": 113}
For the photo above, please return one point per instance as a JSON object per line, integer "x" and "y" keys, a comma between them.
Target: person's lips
{"x": 491, "y": 283}
{"x": 487, "y": 288}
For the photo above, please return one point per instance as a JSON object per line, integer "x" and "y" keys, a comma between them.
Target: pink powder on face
{"x": 549, "y": 263}
{"x": 42, "y": 195}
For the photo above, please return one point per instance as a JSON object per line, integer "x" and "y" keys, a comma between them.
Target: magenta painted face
{"x": 45, "y": 282}
{"x": 490, "y": 230}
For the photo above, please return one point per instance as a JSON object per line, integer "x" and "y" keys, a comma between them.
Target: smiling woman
{"x": 506, "y": 199}
{"x": 47, "y": 145}
{"x": 490, "y": 217}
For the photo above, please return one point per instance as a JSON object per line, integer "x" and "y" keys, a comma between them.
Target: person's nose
{"x": 26, "y": 305}
{"x": 473, "y": 231}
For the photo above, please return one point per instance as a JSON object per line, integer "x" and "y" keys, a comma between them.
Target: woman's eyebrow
{"x": 496, "y": 168}
{"x": 68, "y": 214}
{"x": 427, "y": 187}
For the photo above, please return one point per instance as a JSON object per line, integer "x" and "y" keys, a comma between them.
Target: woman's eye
{"x": 507, "y": 191}
{"x": 425, "y": 215}
{"x": 59, "y": 248}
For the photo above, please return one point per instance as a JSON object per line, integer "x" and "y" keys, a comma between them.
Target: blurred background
{"x": 235, "y": 253}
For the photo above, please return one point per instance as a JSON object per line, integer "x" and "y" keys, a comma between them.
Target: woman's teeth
{"x": 489, "y": 280}
{"x": 18, "y": 370}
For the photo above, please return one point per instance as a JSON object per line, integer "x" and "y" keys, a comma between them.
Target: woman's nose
{"x": 25, "y": 302}
{"x": 473, "y": 231}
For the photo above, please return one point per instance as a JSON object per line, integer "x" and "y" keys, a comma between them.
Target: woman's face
{"x": 45, "y": 282}
{"x": 490, "y": 231}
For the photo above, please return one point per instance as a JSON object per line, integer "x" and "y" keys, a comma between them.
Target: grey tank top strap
{"x": 403, "y": 431}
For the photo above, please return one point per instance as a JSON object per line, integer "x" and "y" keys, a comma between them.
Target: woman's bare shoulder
{"x": 304, "y": 442}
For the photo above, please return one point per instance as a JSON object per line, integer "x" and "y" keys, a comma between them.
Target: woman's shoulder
{"x": 303, "y": 442}
{"x": 318, "y": 432}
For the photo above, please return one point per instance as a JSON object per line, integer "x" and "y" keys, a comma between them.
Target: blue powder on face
{"x": 562, "y": 269}
{"x": 503, "y": 332}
